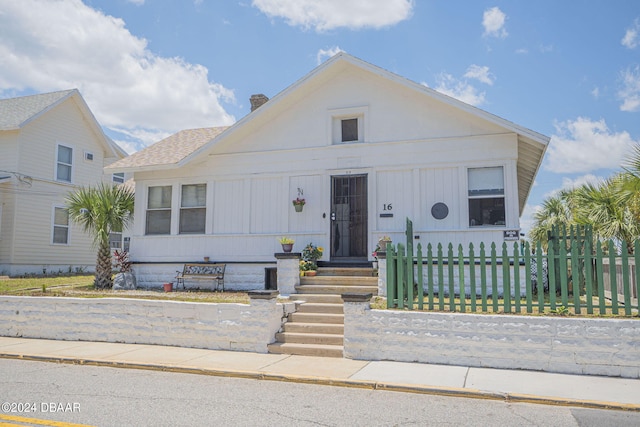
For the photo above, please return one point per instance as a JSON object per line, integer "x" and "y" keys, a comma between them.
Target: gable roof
{"x": 531, "y": 145}
{"x": 15, "y": 113}
{"x": 170, "y": 151}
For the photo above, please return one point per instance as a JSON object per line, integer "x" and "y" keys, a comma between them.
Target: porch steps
{"x": 317, "y": 328}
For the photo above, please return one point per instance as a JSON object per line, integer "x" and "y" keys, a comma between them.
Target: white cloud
{"x": 585, "y": 145}
{"x": 630, "y": 39}
{"x": 49, "y": 46}
{"x": 571, "y": 183}
{"x": 526, "y": 219}
{"x": 329, "y": 14}
{"x": 136, "y": 2}
{"x": 493, "y": 21}
{"x": 327, "y": 53}
{"x": 596, "y": 92}
{"x": 629, "y": 93}
{"x": 480, "y": 73}
{"x": 461, "y": 88}
{"x": 522, "y": 51}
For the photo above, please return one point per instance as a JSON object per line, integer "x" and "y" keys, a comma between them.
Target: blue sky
{"x": 148, "y": 68}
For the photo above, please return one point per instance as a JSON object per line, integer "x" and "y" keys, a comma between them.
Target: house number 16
{"x": 387, "y": 207}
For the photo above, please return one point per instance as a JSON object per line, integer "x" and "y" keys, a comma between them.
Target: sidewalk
{"x": 484, "y": 383}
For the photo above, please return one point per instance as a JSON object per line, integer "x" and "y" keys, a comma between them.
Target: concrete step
{"x": 317, "y": 298}
{"x": 321, "y": 350}
{"x": 345, "y": 271}
{"x": 309, "y": 338}
{"x": 339, "y": 280}
{"x": 335, "y": 289}
{"x": 314, "y": 328}
{"x": 319, "y": 307}
{"x": 317, "y": 318}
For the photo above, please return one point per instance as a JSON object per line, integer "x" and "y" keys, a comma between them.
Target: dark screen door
{"x": 349, "y": 216}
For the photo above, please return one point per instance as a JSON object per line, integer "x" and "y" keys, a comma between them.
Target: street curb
{"x": 347, "y": 383}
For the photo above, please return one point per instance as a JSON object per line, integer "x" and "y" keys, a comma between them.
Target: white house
{"x": 364, "y": 147}
{"x": 49, "y": 145}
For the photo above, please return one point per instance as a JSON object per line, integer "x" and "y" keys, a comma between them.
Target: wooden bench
{"x": 207, "y": 271}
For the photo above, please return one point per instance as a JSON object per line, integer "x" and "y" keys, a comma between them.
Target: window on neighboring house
{"x": 159, "y": 210}
{"x": 60, "y": 226}
{"x": 349, "y": 130}
{"x": 64, "y": 164}
{"x": 193, "y": 209}
{"x": 115, "y": 239}
{"x": 118, "y": 177}
{"x": 486, "y": 197}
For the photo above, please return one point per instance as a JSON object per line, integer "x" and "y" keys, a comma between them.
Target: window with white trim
{"x": 115, "y": 239}
{"x": 64, "y": 163}
{"x": 486, "y": 197}
{"x": 193, "y": 209}
{"x": 159, "y": 210}
{"x": 118, "y": 177}
{"x": 60, "y": 226}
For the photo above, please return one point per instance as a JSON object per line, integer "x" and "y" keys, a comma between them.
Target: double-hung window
{"x": 118, "y": 177}
{"x": 64, "y": 163}
{"x": 193, "y": 209}
{"x": 486, "y": 197}
{"x": 60, "y": 226}
{"x": 159, "y": 210}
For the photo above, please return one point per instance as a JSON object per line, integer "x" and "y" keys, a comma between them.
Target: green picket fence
{"x": 596, "y": 278}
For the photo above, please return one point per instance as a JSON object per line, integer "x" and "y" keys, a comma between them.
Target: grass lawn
{"x": 81, "y": 286}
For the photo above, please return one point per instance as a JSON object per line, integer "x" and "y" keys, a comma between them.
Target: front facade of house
{"x": 365, "y": 148}
{"x": 49, "y": 145}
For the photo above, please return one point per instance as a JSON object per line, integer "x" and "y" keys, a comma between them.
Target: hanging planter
{"x": 298, "y": 204}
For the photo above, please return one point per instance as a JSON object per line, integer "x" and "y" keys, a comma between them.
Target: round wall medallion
{"x": 439, "y": 210}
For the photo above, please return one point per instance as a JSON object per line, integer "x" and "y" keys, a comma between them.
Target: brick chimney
{"x": 257, "y": 101}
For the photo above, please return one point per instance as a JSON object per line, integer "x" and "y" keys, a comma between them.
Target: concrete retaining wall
{"x": 200, "y": 325}
{"x": 240, "y": 277}
{"x": 608, "y": 347}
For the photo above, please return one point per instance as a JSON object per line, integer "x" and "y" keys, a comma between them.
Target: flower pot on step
{"x": 168, "y": 287}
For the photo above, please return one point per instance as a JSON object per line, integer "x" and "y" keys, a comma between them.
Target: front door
{"x": 349, "y": 217}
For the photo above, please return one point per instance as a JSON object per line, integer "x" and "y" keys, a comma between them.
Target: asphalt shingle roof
{"x": 15, "y": 111}
{"x": 170, "y": 150}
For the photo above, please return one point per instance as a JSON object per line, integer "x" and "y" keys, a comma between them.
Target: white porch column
{"x": 288, "y": 271}
{"x": 382, "y": 273}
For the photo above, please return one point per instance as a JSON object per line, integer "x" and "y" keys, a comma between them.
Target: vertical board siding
{"x": 439, "y": 185}
{"x": 317, "y": 200}
{"x": 229, "y": 206}
{"x": 394, "y": 188}
{"x": 266, "y": 208}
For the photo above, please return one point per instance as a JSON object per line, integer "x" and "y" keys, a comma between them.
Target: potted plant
{"x": 287, "y": 243}
{"x": 307, "y": 268}
{"x": 311, "y": 254}
{"x": 298, "y": 203}
{"x": 382, "y": 243}
{"x": 168, "y": 287}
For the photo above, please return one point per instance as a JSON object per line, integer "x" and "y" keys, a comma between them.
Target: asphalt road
{"x": 104, "y": 396}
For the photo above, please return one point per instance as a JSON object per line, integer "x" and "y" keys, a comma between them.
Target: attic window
{"x": 349, "y": 130}
{"x": 348, "y": 125}
{"x": 88, "y": 156}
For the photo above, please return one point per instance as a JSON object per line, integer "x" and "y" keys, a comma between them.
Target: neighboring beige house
{"x": 364, "y": 147}
{"x": 50, "y": 144}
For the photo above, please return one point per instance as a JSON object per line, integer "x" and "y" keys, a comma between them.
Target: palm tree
{"x": 100, "y": 210}
{"x": 608, "y": 208}
{"x": 556, "y": 211}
